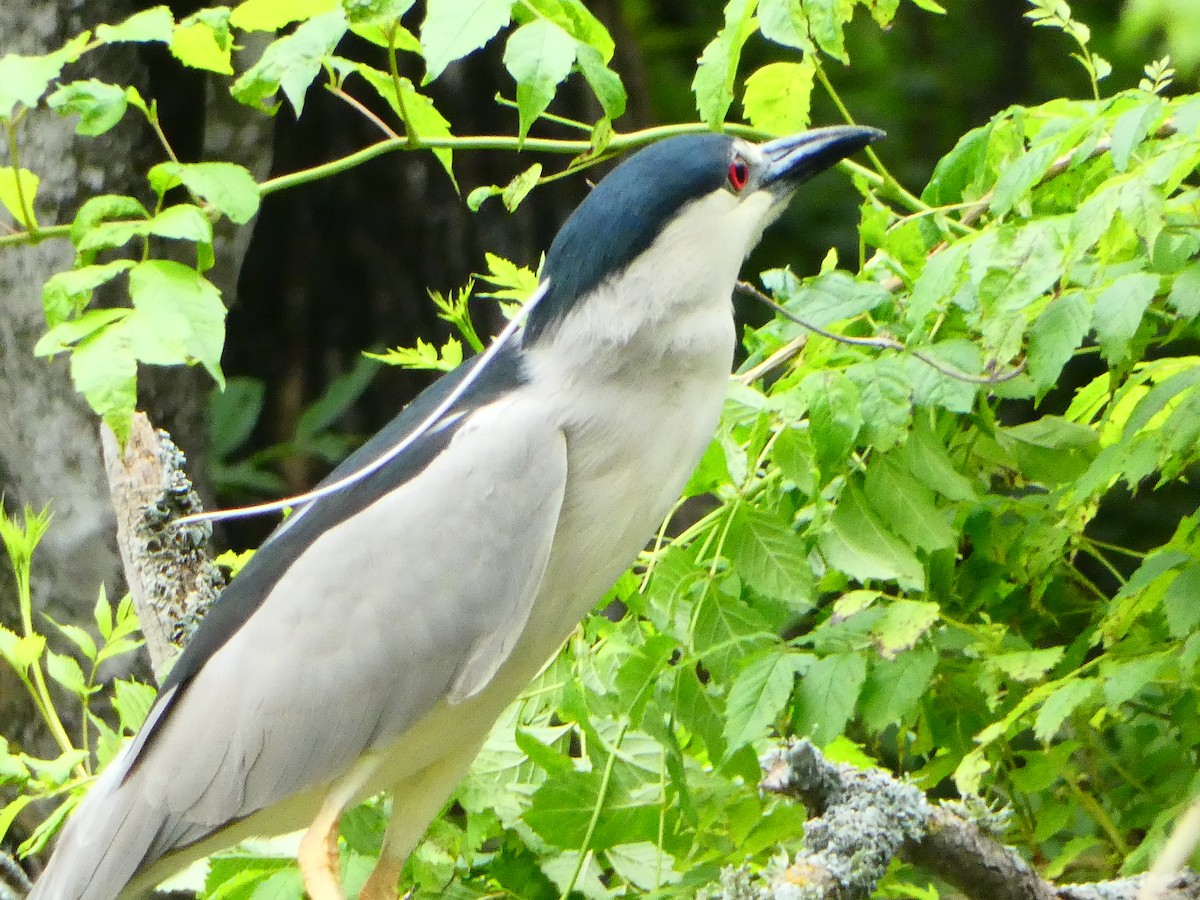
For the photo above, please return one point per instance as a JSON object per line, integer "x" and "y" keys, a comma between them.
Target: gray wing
{"x": 417, "y": 598}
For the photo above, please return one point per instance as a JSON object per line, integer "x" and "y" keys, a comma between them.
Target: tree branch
{"x": 864, "y": 819}
{"x": 171, "y": 578}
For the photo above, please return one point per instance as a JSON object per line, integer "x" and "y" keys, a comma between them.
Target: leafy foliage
{"x": 903, "y": 549}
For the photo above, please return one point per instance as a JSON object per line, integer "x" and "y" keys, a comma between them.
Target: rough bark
{"x": 171, "y": 578}
{"x": 862, "y": 819}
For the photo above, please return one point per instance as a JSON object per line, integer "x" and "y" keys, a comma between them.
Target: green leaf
{"x": 1131, "y": 128}
{"x": 1061, "y": 704}
{"x": 771, "y": 557}
{"x": 1119, "y": 310}
{"x": 423, "y": 117}
{"x": 1018, "y": 178}
{"x": 827, "y": 20}
{"x": 104, "y": 370}
{"x": 834, "y": 417}
{"x": 454, "y": 28}
{"x": 827, "y": 298}
{"x": 230, "y": 188}
{"x": 1055, "y": 336}
{"x": 726, "y": 629}
{"x": 203, "y": 41}
{"x": 518, "y": 189}
{"x": 777, "y": 96}
{"x": 11, "y": 195}
{"x": 717, "y": 71}
{"x": 903, "y": 623}
{"x": 149, "y": 25}
{"x": 66, "y": 671}
{"x": 643, "y": 864}
{"x": 132, "y": 701}
{"x": 894, "y": 688}
{"x": 783, "y": 22}
{"x": 1185, "y": 292}
{"x": 179, "y": 316}
{"x": 291, "y": 64}
{"x": 538, "y": 55}
{"x": 906, "y": 506}
{"x": 1050, "y": 450}
{"x": 926, "y": 458}
{"x": 1181, "y": 602}
{"x": 24, "y": 79}
{"x": 758, "y": 695}
{"x": 826, "y": 696}
{"x": 21, "y": 652}
{"x": 103, "y": 208}
{"x": 60, "y": 338}
{"x": 856, "y": 543}
{"x": 99, "y": 106}
{"x": 1026, "y": 665}
{"x": 78, "y": 637}
{"x": 182, "y": 222}
{"x": 271, "y": 15}
{"x": 1125, "y": 679}
{"x": 604, "y": 82}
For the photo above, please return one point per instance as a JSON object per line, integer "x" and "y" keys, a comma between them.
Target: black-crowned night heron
{"x": 377, "y": 634}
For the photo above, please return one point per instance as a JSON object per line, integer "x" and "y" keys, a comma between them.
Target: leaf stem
{"x": 27, "y": 217}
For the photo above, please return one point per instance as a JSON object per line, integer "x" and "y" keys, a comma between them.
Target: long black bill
{"x": 793, "y": 160}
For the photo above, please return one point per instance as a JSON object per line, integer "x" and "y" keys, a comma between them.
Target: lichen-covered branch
{"x": 862, "y": 819}
{"x": 171, "y": 578}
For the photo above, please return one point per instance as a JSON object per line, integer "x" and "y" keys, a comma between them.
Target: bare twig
{"x": 882, "y": 342}
{"x": 171, "y": 577}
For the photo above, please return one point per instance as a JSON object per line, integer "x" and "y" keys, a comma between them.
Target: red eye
{"x": 739, "y": 173}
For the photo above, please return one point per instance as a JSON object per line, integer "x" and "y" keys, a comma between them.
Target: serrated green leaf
{"x": 182, "y": 222}
{"x": 1019, "y": 177}
{"x": 894, "y": 688}
{"x": 99, "y": 106}
{"x": 104, "y": 370}
{"x": 827, "y": 20}
{"x": 903, "y": 623}
{"x": 78, "y": 637}
{"x": 1026, "y": 665}
{"x": 132, "y": 701}
{"x": 102, "y": 614}
{"x": 1185, "y": 292}
{"x": 63, "y": 335}
{"x": 291, "y": 63}
{"x": 1118, "y": 312}
{"x": 179, "y": 317}
{"x": 149, "y": 25}
{"x": 538, "y": 56}
{"x": 15, "y": 185}
{"x": 66, "y": 671}
{"x": 1056, "y": 335}
{"x": 906, "y": 506}
{"x": 758, "y": 695}
{"x": 604, "y": 82}
{"x": 24, "y": 79}
{"x": 643, "y": 864}
{"x": 1131, "y": 128}
{"x": 783, "y": 22}
{"x": 271, "y": 15}
{"x": 518, "y": 189}
{"x": 21, "y": 652}
{"x": 423, "y": 117}
{"x": 1181, "y": 602}
{"x": 1125, "y": 679}
{"x": 717, "y": 70}
{"x": 726, "y": 629}
{"x": 856, "y": 543}
{"x": 771, "y": 557}
{"x": 827, "y": 694}
{"x": 777, "y": 96}
{"x": 230, "y": 188}
{"x": 203, "y": 41}
{"x": 1060, "y": 704}
{"x": 834, "y": 417}
{"x": 454, "y": 28}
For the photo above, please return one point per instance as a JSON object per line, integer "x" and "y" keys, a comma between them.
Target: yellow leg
{"x": 318, "y": 856}
{"x": 415, "y": 802}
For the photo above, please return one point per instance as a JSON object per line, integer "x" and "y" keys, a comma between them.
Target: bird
{"x": 382, "y": 628}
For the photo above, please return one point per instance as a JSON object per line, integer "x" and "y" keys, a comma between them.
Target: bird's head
{"x": 693, "y": 206}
